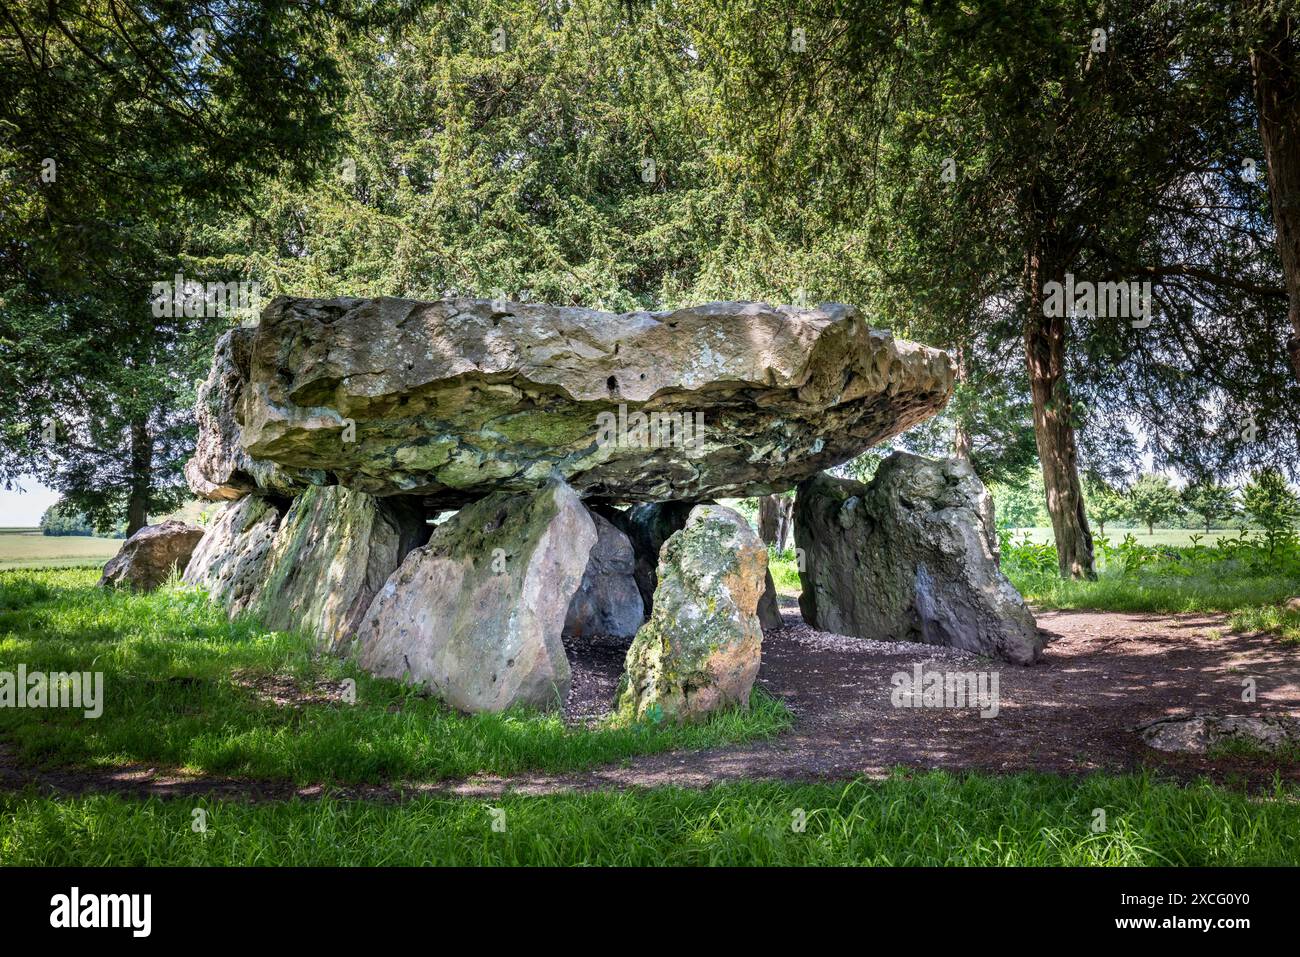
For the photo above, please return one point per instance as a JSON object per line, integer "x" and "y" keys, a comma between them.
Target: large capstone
{"x": 459, "y": 398}
{"x": 151, "y": 555}
{"x": 608, "y": 602}
{"x": 476, "y": 615}
{"x": 332, "y": 552}
{"x": 230, "y": 561}
{"x": 220, "y": 469}
{"x": 701, "y": 649}
{"x": 910, "y": 557}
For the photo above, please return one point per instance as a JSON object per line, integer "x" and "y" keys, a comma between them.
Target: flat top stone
{"x": 457, "y": 398}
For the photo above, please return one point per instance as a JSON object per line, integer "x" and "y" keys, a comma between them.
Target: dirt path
{"x": 1103, "y": 674}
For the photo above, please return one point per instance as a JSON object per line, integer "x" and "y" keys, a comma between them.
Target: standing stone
{"x": 148, "y": 557}
{"x": 230, "y": 561}
{"x": 476, "y": 615}
{"x": 608, "y": 601}
{"x": 910, "y": 557}
{"x": 333, "y": 551}
{"x": 769, "y": 607}
{"x": 648, "y": 526}
{"x": 701, "y": 648}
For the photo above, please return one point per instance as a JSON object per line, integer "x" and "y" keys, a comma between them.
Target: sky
{"x": 24, "y": 509}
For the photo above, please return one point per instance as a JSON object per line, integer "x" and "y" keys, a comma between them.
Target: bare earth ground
{"x": 1104, "y": 673}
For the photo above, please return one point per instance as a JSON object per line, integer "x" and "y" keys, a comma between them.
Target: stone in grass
{"x": 1199, "y": 733}
{"x": 700, "y": 651}
{"x": 475, "y": 616}
{"x": 149, "y": 557}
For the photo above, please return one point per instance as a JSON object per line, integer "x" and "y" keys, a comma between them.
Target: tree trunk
{"x": 769, "y": 519}
{"x": 775, "y": 519}
{"x": 1275, "y": 63}
{"x": 1053, "y": 428}
{"x": 961, "y": 440}
{"x": 137, "y": 504}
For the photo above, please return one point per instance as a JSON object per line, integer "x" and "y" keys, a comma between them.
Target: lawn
{"x": 181, "y": 683}
{"x": 932, "y": 818}
{"x": 28, "y": 548}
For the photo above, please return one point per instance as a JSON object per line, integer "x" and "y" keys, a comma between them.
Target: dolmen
{"x": 444, "y": 490}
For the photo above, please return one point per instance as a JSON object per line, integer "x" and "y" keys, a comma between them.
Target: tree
{"x": 1210, "y": 501}
{"x": 986, "y": 154}
{"x": 775, "y": 519}
{"x": 1154, "y": 499}
{"x": 126, "y": 131}
{"x": 61, "y": 519}
{"x": 1020, "y": 503}
{"x": 1105, "y": 504}
{"x": 1275, "y": 66}
{"x": 1275, "y": 508}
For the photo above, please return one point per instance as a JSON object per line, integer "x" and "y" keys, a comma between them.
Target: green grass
{"x": 28, "y": 548}
{"x": 928, "y": 819}
{"x": 169, "y": 661}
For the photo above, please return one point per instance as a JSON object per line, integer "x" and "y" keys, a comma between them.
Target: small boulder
{"x": 148, "y": 557}
{"x": 230, "y": 561}
{"x": 1199, "y": 733}
{"x": 1292, "y": 604}
{"x": 475, "y": 616}
{"x": 608, "y": 601}
{"x": 910, "y": 557}
{"x": 701, "y": 649}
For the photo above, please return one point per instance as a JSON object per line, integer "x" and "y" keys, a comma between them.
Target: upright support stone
{"x": 700, "y": 651}
{"x": 475, "y": 616}
{"x": 910, "y": 557}
{"x": 332, "y": 553}
{"x": 230, "y": 560}
{"x": 608, "y": 602}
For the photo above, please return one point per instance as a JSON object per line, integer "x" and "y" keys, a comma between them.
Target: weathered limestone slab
{"x": 476, "y": 615}
{"x": 608, "y": 602}
{"x": 230, "y": 560}
{"x": 332, "y": 552}
{"x": 220, "y": 469}
{"x": 1199, "y": 733}
{"x": 458, "y": 398}
{"x": 701, "y": 649}
{"x": 148, "y": 557}
{"x": 910, "y": 557}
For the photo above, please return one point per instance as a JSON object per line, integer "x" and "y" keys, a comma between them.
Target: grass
{"x": 28, "y": 548}
{"x": 933, "y": 818}
{"x": 169, "y": 661}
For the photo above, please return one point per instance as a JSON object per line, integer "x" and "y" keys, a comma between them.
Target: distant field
{"x": 28, "y": 548}
{"x": 1162, "y": 536}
